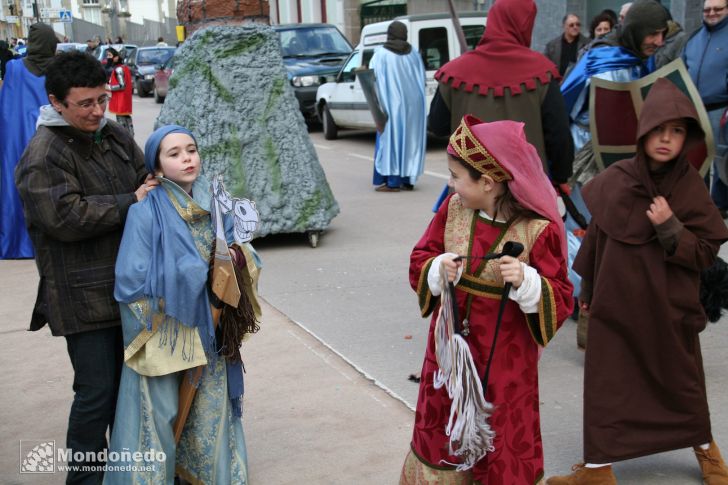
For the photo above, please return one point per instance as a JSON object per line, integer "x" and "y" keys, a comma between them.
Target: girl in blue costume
{"x": 162, "y": 287}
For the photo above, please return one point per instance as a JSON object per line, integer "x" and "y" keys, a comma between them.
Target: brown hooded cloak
{"x": 644, "y": 387}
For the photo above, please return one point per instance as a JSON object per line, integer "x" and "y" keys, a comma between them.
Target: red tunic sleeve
{"x": 430, "y": 245}
{"x": 557, "y": 300}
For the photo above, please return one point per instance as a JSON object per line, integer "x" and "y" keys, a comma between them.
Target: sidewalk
{"x": 309, "y": 417}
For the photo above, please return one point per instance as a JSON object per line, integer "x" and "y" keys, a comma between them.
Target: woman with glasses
{"x": 563, "y": 49}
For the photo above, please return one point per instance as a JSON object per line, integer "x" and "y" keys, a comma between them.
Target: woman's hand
{"x": 511, "y": 270}
{"x": 149, "y": 184}
{"x": 233, "y": 255}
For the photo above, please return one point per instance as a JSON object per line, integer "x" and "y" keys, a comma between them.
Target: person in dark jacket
{"x": 5, "y": 56}
{"x": 563, "y": 49}
{"x": 77, "y": 179}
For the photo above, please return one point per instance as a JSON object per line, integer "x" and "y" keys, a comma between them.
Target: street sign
{"x": 65, "y": 16}
{"x": 50, "y": 13}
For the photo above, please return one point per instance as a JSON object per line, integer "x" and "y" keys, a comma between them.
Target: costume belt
{"x": 480, "y": 287}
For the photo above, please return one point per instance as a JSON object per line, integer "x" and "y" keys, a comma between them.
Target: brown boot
{"x": 712, "y": 465}
{"x": 586, "y": 476}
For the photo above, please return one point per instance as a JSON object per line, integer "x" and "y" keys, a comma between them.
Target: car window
{"x": 153, "y": 56}
{"x": 347, "y": 73}
{"x": 473, "y": 33}
{"x": 368, "y": 53}
{"x": 433, "y": 47}
{"x": 315, "y": 41}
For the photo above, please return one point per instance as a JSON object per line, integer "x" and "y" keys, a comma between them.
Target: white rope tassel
{"x": 471, "y": 437}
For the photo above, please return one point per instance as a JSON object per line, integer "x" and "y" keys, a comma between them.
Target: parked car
{"x": 123, "y": 49}
{"x": 312, "y": 54}
{"x": 161, "y": 79}
{"x": 341, "y": 103}
{"x": 70, "y": 46}
{"x": 142, "y": 61}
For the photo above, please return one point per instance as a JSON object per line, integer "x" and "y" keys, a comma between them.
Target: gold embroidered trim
{"x": 475, "y": 154}
{"x": 423, "y": 290}
{"x": 547, "y": 311}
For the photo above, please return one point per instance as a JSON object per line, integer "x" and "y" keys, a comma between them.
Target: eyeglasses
{"x": 578, "y": 24}
{"x": 89, "y": 104}
{"x": 708, "y": 10}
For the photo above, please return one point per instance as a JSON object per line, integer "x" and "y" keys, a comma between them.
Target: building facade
{"x": 348, "y": 15}
{"x": 136, "y": 21}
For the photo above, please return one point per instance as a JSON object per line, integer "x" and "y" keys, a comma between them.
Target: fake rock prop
{"x": 230, "y": 89}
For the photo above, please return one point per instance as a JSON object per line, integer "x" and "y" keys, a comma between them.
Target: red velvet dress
{"x": 513, "y": 382}
{"x": 121, "y": 91}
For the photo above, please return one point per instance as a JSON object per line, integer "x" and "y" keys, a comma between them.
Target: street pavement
{"x": 327, "y": 396}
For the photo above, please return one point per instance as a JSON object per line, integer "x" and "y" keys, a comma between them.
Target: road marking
{"x": 437, "y": 175}
{"x": 427, "y": 172}
{"x": 371, "y": 159}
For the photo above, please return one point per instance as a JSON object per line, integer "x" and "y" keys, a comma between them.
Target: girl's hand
{"x": 659, "y": 211}
{"x": 451, "y": 267}
{"x": 511, "y": 270}
{"x": 584, "y": 306}
{"x": 233, "y": 255}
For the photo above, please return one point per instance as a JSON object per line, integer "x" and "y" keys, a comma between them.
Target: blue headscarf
{"x": 151, "y": 148}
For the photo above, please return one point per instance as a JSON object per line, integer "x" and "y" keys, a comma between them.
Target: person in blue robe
{"x": 23, "y": 93}
{"x": 622, "y": 56}
{"x": 400, "y": 148}
{"x": 162, "y": 287}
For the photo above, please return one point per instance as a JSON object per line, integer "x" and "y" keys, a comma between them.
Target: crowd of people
{"x": 132, "y": 247}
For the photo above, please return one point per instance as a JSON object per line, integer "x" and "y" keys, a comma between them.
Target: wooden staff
{"x": 458, "y": 27}
{"x": 225, "y": 287}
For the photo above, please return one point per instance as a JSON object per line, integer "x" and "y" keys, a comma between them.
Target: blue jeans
{"x": 96, "y": 357}
{"x": 718, "y": 190}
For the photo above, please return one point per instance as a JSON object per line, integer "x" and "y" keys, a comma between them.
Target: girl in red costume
{"x": 121, "y": 90}
{"x": 501, "y": 194}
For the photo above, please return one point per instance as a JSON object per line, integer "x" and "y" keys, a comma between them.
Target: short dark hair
{"x": 612, "y": 14}
{"x": 73, "y": 69}
{"x": 570, "y": 14}
{"x": 602, "y": 17}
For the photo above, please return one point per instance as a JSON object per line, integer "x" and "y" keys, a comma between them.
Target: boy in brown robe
{"x": 653, "y": 229}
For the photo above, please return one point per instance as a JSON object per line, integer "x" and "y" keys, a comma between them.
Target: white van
{"x": 341, "y": 104}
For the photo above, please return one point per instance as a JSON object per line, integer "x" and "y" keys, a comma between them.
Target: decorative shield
{"x": 369, "y": 88}
{"x": 614, "y": 109}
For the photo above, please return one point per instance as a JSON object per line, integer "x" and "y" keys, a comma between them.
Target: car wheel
{"x": 330, "y": 129}
{"x": 157, "y": 98}
{"x": 139, "y": 90}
